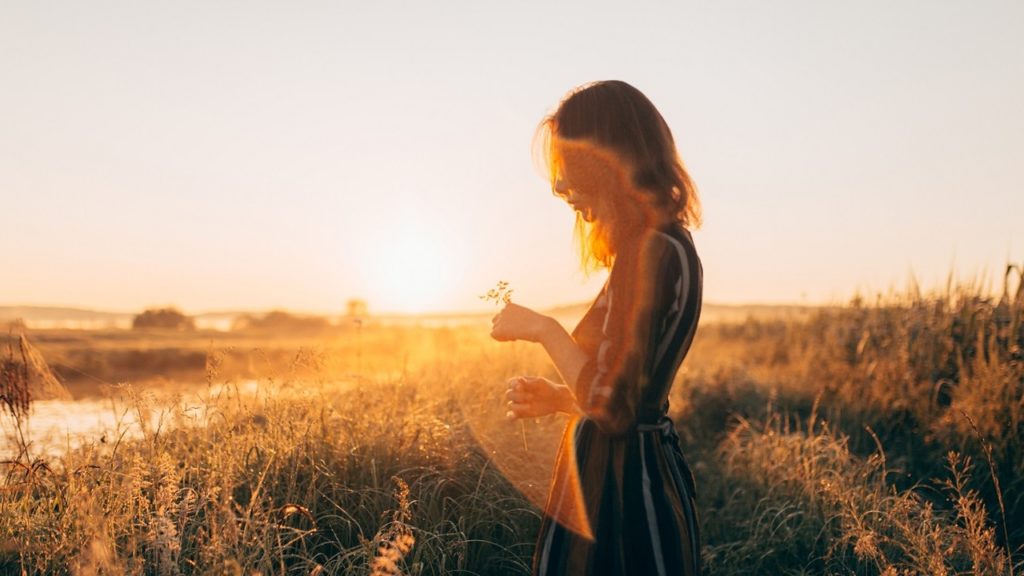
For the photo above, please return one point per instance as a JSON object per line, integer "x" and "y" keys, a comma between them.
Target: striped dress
{"x": 633, "y": 481}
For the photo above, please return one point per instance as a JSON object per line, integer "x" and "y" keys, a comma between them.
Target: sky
{"x": 252, "y": 155}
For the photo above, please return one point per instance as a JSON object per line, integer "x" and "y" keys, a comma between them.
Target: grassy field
{"x": 882, "y": 437}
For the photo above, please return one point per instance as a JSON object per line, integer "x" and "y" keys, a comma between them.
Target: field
{"x": 882, "y": 437}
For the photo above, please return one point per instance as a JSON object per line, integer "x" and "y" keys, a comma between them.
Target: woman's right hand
{"x": 534, "y": 396}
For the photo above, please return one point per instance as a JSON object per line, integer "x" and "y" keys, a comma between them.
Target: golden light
{"x": 410, "y": 273}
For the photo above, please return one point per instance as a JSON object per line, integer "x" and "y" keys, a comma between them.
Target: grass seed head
{"x": 501, "y": 294}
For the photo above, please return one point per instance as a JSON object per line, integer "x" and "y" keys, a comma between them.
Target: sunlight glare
{"x": 410, "y": 274}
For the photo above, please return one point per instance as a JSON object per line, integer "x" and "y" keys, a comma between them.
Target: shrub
{"x": 163, "y": 319}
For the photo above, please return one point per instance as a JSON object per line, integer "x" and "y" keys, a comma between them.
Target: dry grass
{"x": 854, "y": 437}
{"x": 325, "y": 478}
{"x": 870, "y": 439}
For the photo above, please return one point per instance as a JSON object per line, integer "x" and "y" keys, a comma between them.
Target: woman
{"x": 612, "y": 157}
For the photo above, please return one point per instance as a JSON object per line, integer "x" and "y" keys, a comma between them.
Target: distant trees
{"x": 164, "y": 319}
{"x": 356, "y": 308}
{"x": 287, "y": 322}
{"x": 280, "y": 321}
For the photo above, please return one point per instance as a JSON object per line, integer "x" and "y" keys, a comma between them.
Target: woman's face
{"x": 588, "y": 178}
{"x": 582, "y": 201}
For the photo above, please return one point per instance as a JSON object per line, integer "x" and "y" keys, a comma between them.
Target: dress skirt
{"x": 639, "y": 494}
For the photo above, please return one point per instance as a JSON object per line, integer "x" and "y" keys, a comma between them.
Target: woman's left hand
{"x": 533, "y": 396}
{"x": 516, "y": 322}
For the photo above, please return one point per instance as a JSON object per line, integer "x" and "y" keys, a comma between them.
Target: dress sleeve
{"x": 642, "y": 294}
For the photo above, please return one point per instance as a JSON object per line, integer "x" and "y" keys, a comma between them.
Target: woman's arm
{"x": 607, "y": 388}
{"x": 535, "y": 396}
{"x": 566, "y": 355}
{"x": 516, "y": 322}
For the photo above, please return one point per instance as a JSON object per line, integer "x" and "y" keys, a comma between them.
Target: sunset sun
{"x": 410, "y": 274}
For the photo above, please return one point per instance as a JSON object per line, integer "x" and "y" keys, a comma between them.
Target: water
{"x": 54, "y": 426}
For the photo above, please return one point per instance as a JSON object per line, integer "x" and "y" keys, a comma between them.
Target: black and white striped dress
{"x": 636, "y": 486}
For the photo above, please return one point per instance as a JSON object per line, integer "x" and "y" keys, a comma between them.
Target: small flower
{"x": 500, "y": 294}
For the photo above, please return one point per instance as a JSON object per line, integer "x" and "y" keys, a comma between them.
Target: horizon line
{"x": 383, "y": 313}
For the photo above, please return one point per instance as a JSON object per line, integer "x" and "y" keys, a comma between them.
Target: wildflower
{"x": 500, "y": 294}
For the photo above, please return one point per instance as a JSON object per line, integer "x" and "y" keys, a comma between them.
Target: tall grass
{"x": 870, "y": 439}
{"x": 333, "y": 479}
{"x": 791, "y": 498}
{"x": 886, "y": 393}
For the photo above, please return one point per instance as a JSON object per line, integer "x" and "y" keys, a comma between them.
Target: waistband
{"x": 665, "y": 426}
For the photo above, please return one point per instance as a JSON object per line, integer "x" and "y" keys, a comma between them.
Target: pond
{"x": 55, "y": 426}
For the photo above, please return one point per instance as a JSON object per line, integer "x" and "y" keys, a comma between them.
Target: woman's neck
{"x": 627, "y": 234}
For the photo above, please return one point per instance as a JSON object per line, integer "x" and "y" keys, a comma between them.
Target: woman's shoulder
{"x": 661, "y": 241}
{"x": 676, "y": 238}
{"x": 674, "y": 231}
{"x": 654, "y": 252}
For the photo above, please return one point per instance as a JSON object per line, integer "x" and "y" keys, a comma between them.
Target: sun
{"x": 411, "y": 274}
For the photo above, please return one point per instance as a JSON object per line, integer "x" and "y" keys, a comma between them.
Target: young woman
{"x": 613, "y": 159}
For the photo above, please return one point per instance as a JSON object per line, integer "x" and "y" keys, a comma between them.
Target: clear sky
{"x": 252, "y": 154}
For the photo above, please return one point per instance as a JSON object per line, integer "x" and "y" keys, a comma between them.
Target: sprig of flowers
{"x": 500, "y": 294}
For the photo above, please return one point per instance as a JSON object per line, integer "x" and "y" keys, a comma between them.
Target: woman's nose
{"x": 561, "y": 187}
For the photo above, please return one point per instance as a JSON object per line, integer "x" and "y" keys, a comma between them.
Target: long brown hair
{"x": 608, "y": 128}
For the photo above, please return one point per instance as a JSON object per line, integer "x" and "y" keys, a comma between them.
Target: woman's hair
{"x": 621, "y": 151}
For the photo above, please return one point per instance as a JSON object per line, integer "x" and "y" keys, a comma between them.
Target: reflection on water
{"x": 54, "y": 426}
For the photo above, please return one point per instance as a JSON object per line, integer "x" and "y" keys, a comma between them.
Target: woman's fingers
{"x": 527, "y": 397}
{"x": 519, "y": 410}
{"x": 527, "y": 384}
{"x": 516, "y": 395}
{"x": 532, "y": 384}
{"x": 497, "y": 331}
{"x": 515, "y": 322}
